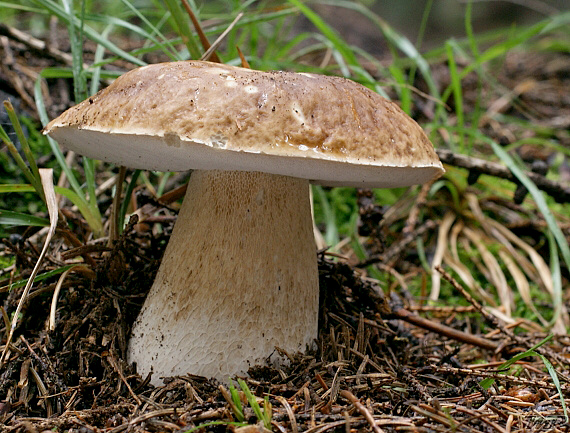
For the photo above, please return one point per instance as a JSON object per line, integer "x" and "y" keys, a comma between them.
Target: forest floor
{"x": 386, "y": 361}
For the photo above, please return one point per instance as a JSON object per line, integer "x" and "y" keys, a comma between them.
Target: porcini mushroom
{"x": 239, "y": 275}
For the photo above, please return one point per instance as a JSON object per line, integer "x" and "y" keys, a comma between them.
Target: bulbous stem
{"x": 239, "y": 277}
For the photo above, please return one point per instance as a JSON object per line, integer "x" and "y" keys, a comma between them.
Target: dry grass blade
{"x": 542, "y": 269}
{"x": 461, "y": 270}
{"x": 535, "y": 257}
{"x": 6, "y": 319}
{"x": 495, "y": 274}
{"x": 113, "y": 362}
{"x": 435, "y": 417}
{"x": 536, "y": 269}
{"x": 46, "y": 175}
{"x": 42, "y": 389}
{"x": 522, "y": 284}
{"x": 218, "y": 41}
{"x": 479, "y": 415}
{"x": 244, "y": 62}
{"x": 451, "y": 257}
{"x": 290, "y": 413}
{"x": 442, "y": 246}
{"x": 55, "y": 296}
{"x": 229, "y": 400}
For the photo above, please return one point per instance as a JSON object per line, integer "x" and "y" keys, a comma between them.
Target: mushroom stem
{"x": 239, "y": 277}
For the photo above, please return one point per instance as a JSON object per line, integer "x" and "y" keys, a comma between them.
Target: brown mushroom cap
{"x": 200, "y": 115}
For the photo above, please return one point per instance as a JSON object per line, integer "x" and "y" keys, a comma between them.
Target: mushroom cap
{"x": 200, "y": 115}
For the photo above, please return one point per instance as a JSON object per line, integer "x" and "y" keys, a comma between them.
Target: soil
{"x": 377, "y": 366}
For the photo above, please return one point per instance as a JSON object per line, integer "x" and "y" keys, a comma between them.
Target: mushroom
{"x": 239, "y": 275}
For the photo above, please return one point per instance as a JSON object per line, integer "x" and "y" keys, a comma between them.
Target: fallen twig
{"x": 498, "y": 324}
{"x": 362, "y": 409}
{"x": 556, "y": 190}
{"x": 440, "y": 329}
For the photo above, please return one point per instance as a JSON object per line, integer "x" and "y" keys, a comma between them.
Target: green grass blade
{"x": 89, "y": 170}
{"x": 419, "y": 40}
{"x": 39, "y": 277}
{"x": 486, "y": 383}
{"x": 554, "y": 377}
{"x": 21, "y": 8}
{"x": 92, "y": 218}
{"x": 96, "y": 69}
{"x": 502, "y": 48}
{"x": 80, "y": 90}
{"x": 403, "y": 89}
{"x": 423, "y": 24}
{"x": 125, "y": 204}
{"x": 58, "y": 11}
{"x": 91, "y": 214}
{"x": 478, "y": 110}
{"x": 76, "y": 43}
{"x": 556, "y": 277}
{"x": 164, "y": 44}
{"x": 11, "y": 218}
{"x": 211, "y": 423}
{"x": 16, "y": 187}
{"x": 267, "y": 409}
{"x": 20, "y": 161}
{"x": 556, "y": 22}
{"x": 331, "y": 236}
{"x": 252, "y": 401}
{"x": 182, "y": 28}
{"x": 539, "y": 200}
{"x": 457, "y": 91}
{"x": 395, "y": 38}
{"x": 25, "y": 147}
{"x": 53, "y": 144}
{"x": 469, "y": 31}
{"x": 329, "y": 33}
{"x": 237, "y": 402}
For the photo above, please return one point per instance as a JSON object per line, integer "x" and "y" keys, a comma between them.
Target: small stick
{"x": 173, "y": 195}
{"x": 498, "y": 324}
{"x": 362, "y": 409}
{"x": 488, "y": 316}
{"x": 447, "y": 331}
{"x": 556, "y": 190}
{"x": 35, "y": 44}
{"x": 115, "y": 366}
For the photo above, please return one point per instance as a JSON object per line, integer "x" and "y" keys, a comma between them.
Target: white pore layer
{"x": 239, "y": 277}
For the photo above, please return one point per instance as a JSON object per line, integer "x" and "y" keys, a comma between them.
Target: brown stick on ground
{"x": 438, "y": 328}
{"x": 362, "y": 409}
{"x": 543, "y": 350}
{"x": 36, "y": 44}
{"x": 557, "y": 191}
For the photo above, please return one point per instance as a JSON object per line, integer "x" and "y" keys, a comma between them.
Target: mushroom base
{"x": 239, "y": 277}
